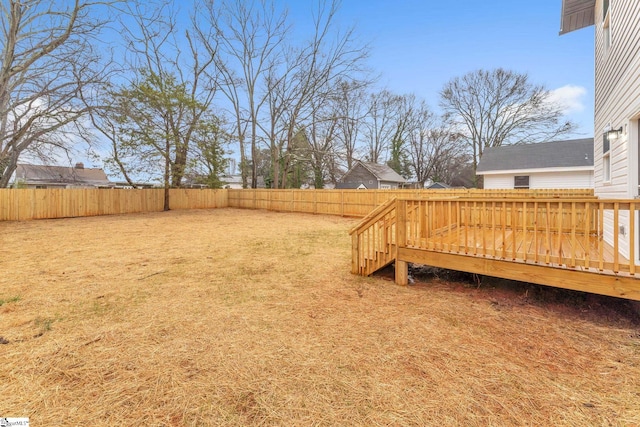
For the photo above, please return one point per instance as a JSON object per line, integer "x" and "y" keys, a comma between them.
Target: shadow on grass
{"x": 599, "y": 309}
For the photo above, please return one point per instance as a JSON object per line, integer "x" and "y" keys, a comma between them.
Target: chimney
{"x": 79, "y": 165}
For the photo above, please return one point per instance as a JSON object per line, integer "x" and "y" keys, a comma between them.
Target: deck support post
{"x": 402, "y": 273}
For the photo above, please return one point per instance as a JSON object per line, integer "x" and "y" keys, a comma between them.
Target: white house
{"x": 558, "y": 164}
{"x": 617, "y": 89}
{"x": 617, "y": 95}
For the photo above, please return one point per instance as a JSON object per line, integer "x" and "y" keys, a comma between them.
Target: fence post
{"x": 402, "y": 267}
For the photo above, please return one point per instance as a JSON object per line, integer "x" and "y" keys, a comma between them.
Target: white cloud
{"x": 570, "y": 97}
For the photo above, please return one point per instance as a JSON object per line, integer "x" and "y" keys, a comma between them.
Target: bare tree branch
{"x": 492, "y": 108}
{"x": 49, "y": 71}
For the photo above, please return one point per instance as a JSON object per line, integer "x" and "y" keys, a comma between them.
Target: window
{"x": 521, "y": 182}
{"x": 606, "y": 26}
{"x": 606, "y": 167}
{"x": 606, "y": 158}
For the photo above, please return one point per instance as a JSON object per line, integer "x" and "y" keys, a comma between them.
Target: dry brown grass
{"x": 235, "y": 317}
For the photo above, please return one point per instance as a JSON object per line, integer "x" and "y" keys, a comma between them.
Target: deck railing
{"x": 585, "y": 234}
{"x": 373, "y": 240}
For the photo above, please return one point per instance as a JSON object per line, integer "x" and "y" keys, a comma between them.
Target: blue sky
{"x": 419, "y": 45}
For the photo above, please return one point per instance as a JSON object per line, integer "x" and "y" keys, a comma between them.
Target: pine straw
{"x": 235, "y": 317}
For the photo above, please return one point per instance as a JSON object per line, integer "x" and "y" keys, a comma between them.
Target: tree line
{"x": 167, "y": 93}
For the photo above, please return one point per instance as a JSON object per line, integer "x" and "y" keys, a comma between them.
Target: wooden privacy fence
{"x": 23, "y": 204}
{"x": 359, "y": 203}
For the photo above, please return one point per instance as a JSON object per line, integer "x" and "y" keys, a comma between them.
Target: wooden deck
{"x": 551, "y": 242}
{"x": 566, "y": 251}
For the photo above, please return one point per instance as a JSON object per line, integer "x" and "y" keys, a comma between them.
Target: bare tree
{"x": 432, "y": 146}
{"x": 329, "y": 57}
{"x": 244, "y": 38}
{"x": 49, "y": 62}
{"x": 492, "y": 108}
{"x": 381, "y": 123}
{"x": 321, "y": 136}
{"x": 398, "y": 159}
{"x": 349, "y": 112}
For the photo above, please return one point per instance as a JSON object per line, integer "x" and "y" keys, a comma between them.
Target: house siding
{"x": 617, "y": 104}
{"x": 389, "y": 185}
{"x": 576, "y": 179}
{"x": 540, "y": 180}
{"x": 617, "y": 97}
{"x": 493, "y": 182}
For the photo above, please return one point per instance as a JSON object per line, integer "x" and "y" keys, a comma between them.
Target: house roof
{"x": 437, "y": 184}
{"x": 79, "y": 175}
{"x": 383, "y": 172}
{"x": 557, "y": 154}
{"x": 576, "y": 14}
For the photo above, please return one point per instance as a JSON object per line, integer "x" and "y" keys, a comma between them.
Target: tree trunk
{"x": 167, "y": 171}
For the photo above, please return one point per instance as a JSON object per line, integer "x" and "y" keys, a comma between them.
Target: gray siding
{"x": 359, "y": 175}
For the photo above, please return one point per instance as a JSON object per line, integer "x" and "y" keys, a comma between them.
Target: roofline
{"x": 536, "y": 170}
{"x": 376, "y": 175}
{"x": 372, "y": 172}
{"x": 581, "y": 16}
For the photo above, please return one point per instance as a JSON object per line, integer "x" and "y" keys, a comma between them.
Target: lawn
{"x": 238, "y": 317}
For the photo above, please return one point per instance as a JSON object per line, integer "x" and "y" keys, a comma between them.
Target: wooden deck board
{"x": 530, "y": 246}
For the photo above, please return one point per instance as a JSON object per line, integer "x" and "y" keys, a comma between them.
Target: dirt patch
{"x": 503, "y": 292}
{"x": 238, "y": 317}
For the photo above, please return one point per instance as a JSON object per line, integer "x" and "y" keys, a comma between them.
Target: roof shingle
{"x": 383, "y": 172}
{"x": 556, "y": 154}
{"x": 62, "y": 175}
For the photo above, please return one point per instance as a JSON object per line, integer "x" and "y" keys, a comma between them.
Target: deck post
{"x": 355, "y": 254}
{"x": 402, "y": 273}
{"x": 402, "y": 267}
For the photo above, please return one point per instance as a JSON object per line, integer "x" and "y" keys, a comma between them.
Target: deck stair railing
{"x": 588, "y": 234}
{"x": 373, "y": 240}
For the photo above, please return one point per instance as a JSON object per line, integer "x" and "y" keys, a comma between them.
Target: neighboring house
{"x": 233, "y": 182}
{"x": 558, "y": 164}
{"x": 437, "y": 186}
{"x": 39, "y": 176}
{"x": 371, "y": 176}
{"x": 617, "y": 98}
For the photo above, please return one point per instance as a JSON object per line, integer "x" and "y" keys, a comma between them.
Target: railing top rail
{"x": 572, "y": 199}
{"x": 372, "y": 216}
